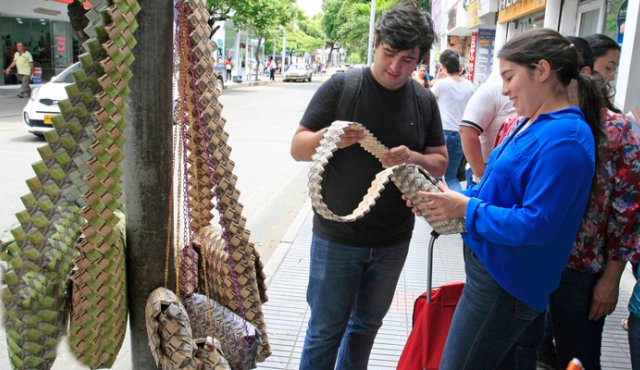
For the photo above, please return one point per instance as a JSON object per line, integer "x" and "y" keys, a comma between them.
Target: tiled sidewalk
{"x": 287, "y": 313}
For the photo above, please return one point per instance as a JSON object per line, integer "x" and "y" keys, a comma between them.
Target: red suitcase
{"x": 432, "y": 316}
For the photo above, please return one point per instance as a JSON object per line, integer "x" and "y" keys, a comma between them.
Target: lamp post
{"x": 372, "y": 21}
{"x": 284, "y": 51}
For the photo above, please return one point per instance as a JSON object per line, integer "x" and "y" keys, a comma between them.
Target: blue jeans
{"x": 491, "y": 329}
{"x": 454, "y": 147}
{"x": 634, "y": 341}
{"x": 350, "y": 291}
{"x": 576, "y": 335}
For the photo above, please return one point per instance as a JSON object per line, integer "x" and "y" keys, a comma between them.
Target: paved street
{"x": 260, "y": 120}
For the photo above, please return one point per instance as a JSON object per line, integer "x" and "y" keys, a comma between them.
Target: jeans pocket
{"x": 474, "y": 259}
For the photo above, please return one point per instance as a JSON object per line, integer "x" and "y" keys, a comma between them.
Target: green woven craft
{"x": 80, "y": 167}
{"x": 34, "y": 297}
{"x": 99, "y": 307}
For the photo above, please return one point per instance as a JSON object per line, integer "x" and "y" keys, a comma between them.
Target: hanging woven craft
{"x": 77, "y": 191}
{"x": 99, "y": 304}
{"x": 239, "y": 338}
{"x": 210, "y": 183}
{"x": 170, "y": 338}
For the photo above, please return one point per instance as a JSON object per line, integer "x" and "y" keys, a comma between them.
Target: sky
{"x": 310, "y": 7}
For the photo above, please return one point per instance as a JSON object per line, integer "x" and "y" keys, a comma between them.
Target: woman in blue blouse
{"x": 523, "y": 217}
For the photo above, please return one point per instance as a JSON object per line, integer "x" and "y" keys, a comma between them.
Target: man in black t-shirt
{"x": 355, "y": 266}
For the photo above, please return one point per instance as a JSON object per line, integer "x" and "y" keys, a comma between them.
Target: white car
{"x": 300, "y": 71}
{"x": 43, "y": 102}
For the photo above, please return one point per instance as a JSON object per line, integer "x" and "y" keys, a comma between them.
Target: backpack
{"x": 351, "y": 91}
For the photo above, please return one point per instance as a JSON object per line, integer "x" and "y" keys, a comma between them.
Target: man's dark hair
{"x": 405, "y": 27}
{"x": 450, "y": 60}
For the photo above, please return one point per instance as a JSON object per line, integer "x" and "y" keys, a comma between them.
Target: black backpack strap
{"x": 349, "y": 94}
{"x": 422, "y": 95}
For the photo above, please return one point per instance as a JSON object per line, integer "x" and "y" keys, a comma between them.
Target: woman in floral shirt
{"x": 608, "y": 237}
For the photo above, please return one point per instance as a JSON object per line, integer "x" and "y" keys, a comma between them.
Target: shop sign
{"x": 472, "y": 56}
{"x": 484, "y": 55}
{"x": 514, "y": 9}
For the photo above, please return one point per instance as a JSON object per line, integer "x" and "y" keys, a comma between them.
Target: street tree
{"x": 331, "y": 21}
{"x": 261, "y": 17}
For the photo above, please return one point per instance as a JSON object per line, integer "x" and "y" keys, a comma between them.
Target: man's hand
{"x": 441, "y": 206}
{"x": 398, "y": 155}
{"x": 350, "y": 137}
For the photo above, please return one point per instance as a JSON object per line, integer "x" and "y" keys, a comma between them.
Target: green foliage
{"x": 347, "y": 23}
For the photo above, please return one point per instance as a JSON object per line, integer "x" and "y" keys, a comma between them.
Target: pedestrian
{"x": 606, "y": 53}
{"x": 272, "y": 69}
{"x": 23, "y": 61}
{"x": 355, "y": 266}
{"x": 608, "y": 237}
{"x": 228, "y": 66}
{"x": 421, "y": 76}
{"x": 523, "y": 217}
{"x": 452, "y": 93}
{"x": 483, "y": 115}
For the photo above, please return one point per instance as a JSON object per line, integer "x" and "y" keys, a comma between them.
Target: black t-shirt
{"x": 395, "y": 118}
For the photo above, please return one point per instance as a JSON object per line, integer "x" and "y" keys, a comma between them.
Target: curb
{"x": 234, "y": 85}
{"x": 278, "y": 255}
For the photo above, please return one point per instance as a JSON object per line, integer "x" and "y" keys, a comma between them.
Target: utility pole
{"x": 147, "y": 168}
{"x": 284, "y": 51}
{"x": 372, "y": 22}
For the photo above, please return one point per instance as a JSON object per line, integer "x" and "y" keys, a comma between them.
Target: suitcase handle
{"x": 432, "y": 241}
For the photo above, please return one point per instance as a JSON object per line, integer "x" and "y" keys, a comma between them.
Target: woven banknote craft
{"x": 407, "y": 177}
{"x": 71, "y": 214}
{"x": 219, "y": 271}
{"x": 170, "y": 338}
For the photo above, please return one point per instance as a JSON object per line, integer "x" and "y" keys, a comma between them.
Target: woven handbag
{"x": 170, "y": 337}
{"x": 239, "y": 338}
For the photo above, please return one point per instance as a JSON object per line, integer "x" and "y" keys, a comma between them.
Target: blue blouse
{"x": 523, "y": 217}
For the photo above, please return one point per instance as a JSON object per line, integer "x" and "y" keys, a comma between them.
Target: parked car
{"x": 298, "y": 72}
{"x": 325, "y": 75}
{"x": 43, "y": 102}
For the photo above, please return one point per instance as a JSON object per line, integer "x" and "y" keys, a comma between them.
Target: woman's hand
{"x": 441, "y": 206}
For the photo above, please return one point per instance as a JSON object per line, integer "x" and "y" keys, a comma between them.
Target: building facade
{"x": 44, "y": 28}
{"x": 483, "y": 26}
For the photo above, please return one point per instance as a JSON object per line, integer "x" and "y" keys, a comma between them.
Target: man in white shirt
{"x": 23, "y": 61}
{"x": 485, "y": 112}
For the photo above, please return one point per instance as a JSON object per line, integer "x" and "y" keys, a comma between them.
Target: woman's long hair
{"x": 528, "y": 48}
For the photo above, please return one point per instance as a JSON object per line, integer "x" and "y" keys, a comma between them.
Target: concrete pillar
{"x": 628, "y": 82}
{"x": 569, "y": 18}
{"x": 552, "y": 14}
{"x": 501, "y": 39}
{"x": 147, "y": 168}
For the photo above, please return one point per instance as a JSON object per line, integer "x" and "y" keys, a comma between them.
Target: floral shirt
{"x": 610, "y": 229}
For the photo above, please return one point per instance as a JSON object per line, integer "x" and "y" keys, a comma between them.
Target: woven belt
{"x": 409, "y": 179}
